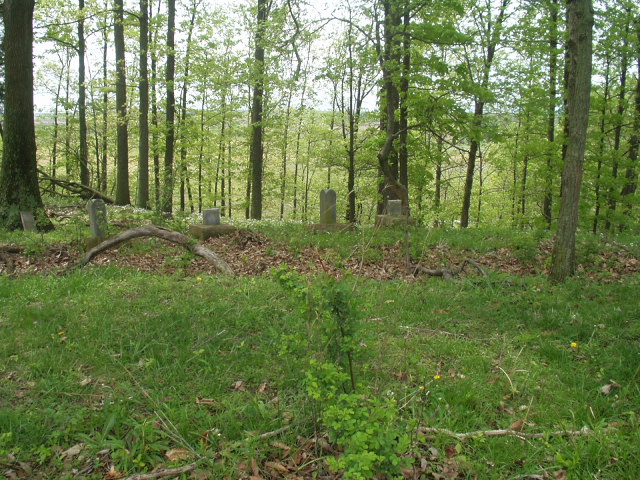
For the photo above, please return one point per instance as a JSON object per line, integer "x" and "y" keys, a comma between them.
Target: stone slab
{"x": 328, "y": 206}
{"x": 202, "y": 232}
{"x": 97, "y": 210}
{"x": 28, "y": 221}
{"x": 394, "y": 208}
{"x": 211, "y": 216}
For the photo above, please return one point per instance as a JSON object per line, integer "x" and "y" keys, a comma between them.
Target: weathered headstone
{"x": 211, "y": 216}
{"x": 327, "y": 206}
{"x": 97, "y": 217}
{"x": 28, "y": 221}
{"x": 394, "y": 208}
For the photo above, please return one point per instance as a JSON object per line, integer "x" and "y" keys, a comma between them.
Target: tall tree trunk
{"x": 390, "y": 62}
{"x": 256, "y": 153}
{"x": 579, "y": 47}
{"x": 105, "y": 106}
{"x": 19, "y": 189}
{"x": 601, "y": 146}
{"x": 154, "y": 114}
{"x": 82, "y": 101}
{"x": 184, "y": 175}
{"x": 493, "y": 37}
{"x": 631, "y": 173}
{"x": 547, "y": 202}
{"x": 143, "y": 89}
{"x": 617, "y": 132}
{"x": 167, "y": 197}
{"x": 122, "y": 176}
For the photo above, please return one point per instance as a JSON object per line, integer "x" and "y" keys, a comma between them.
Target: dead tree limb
{"x": 167, "y": 472}
{"x": 83, "y": 191}
{"x": 11, "y": 249}
{"x": 430, "y": 432}
{"x": 163, "y": 233}
{"x": 447, "y": 273}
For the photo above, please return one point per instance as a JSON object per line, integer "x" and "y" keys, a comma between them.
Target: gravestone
{"x": 210, "y": 226}
{"x": 97, "y": 217}
{"x": 394, "y": 208}
{"x": 28, "y": 221}
{"x": 211, "y": 216}
{"x": 327, "y": 206}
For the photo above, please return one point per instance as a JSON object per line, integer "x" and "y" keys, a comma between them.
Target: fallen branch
{"x": 167, "y": 472}
{"x": 11, "y": 249}
{"x": 447, "y": 273}
{"x": 164, "y": 234}
{"x": 273, "y": 433}
{"x": 84, "y": 191}
{"x": 503, "y": 433}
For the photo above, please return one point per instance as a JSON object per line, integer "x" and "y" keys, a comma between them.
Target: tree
{"x": 167, "y": 197}
{"x": 579, "y": 47}
{"x": 122, "y": 175}
{"x": 19, "y": 189}
{"x": 492, "y": 34}
{"x": 143, "y": 88}
{"x": 256, "y": 152}
{"x": 82, "y": 100}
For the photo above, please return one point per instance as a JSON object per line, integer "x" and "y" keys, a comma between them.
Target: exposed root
{"x": 163, "y": 233}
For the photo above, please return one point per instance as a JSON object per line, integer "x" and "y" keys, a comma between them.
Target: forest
{"x": 256, "y": 107}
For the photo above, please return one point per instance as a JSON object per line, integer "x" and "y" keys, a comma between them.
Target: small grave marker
{"x": 28, "y": 221}
{"x": 97, "y": 217}
{"x": 327, "y": 206}
{"x": 211, "y": 216}
{"x": 394, "y": 208}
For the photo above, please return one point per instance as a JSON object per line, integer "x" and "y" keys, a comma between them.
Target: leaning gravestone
{"x": 97, "y": 210}
{"x": 211, "y": 216}
{"x": 328, "y": 206}
{"x": 28, "y": 221}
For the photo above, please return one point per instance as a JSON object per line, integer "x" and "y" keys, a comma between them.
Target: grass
{"x": 140, "y": 364}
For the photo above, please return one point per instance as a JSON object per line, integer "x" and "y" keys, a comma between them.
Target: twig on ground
{"x": 504, "y": 433}
{"x": 264, "y": 436}
{"x": 167, "y": 472}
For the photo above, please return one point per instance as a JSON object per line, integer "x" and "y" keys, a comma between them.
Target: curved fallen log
{"x": 159, "y": 232}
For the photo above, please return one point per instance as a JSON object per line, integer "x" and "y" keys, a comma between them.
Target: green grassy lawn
{"x": 134, "y": 365}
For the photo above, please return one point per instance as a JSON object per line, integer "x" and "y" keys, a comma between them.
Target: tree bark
{"x": 631, "y": 174}
{"x": 143, "y": 117}
{"x": 493, "y": 37}
{"x": 256, "y": 153}
{"x": 547, "y": 201}
{"x": 82, "y": 101}
{"x": 579, "y": 48}
{"x": 19, "y": 189}
{"x": 122, "y": 174}
{"x": 167, "y": 197}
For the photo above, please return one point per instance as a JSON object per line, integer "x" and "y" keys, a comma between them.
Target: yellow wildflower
{"x": 437, "y": 377}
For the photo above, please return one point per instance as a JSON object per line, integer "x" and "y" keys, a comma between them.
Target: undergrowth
{"x": 133, "y": 366}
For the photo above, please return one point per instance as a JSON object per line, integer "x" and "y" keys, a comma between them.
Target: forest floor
{"x": 251, "y": 253}
{"x": 324, "y": 357}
